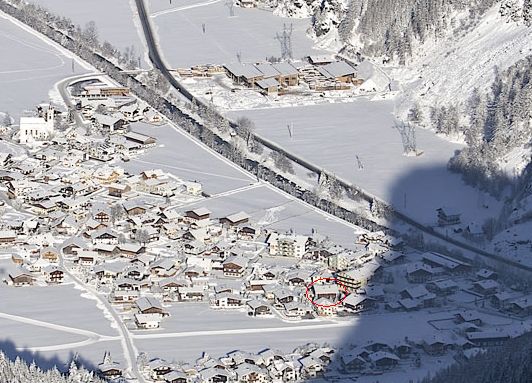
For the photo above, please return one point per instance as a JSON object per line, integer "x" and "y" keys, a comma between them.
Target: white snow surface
{"x": 333, "y": 135}
{"x": 51, "y": 304}
{"x": 26, "y": 82}
{"x": 251, "y": 33}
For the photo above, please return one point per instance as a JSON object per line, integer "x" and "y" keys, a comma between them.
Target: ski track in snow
{"x": 189, "y": 170}
{"x": 53, "y": 326}
{"x": 184, "y": 8}
{"x": 242, "y": 331}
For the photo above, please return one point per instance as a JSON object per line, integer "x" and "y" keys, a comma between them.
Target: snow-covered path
{"x": 187, "y": 169}
{"x": 238, "y": 190}
{"x": 130, "y": 351}
{"x": 183, "y": 8}
{"x": 53, "y": 326}
{"x": 62, "y": 346}
{"x": 188, "y": 334}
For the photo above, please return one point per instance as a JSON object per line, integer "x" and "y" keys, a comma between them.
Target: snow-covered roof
{"x": 146, "y": 318}
{"x": 267, "y": 69}
{"x": 134, "y": 136}
{"x": 320, "y": 59}
{"x": 239, "y": 261}
{"x": 325, "y": 289}
{"x": 8, "y": 234}
{"x": 286, "y": 69}
{"x": 443, "y": 260}
{"x": 267, "y": 83}
{"x": 146, "y": 303}
{"x": 32, "y": 121}
{"x": 337, "y": 69}
{"x": 201, "y": 211}
{"x": 106, "y": 120}
{"x": 487, "y": 284}
{"x": 237, "y": 217}
{"x": 379, "y": 355}
{"x": 416, "y": 292}
{"x": 243, "y": 70}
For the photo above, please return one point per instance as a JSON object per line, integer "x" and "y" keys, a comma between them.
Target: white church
{"x": 37, "y": 128}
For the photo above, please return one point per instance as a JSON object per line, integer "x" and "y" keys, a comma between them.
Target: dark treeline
{"x": 18, "y": 371}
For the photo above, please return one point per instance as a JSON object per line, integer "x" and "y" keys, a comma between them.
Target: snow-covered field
{"x": 50, "y": 324}
{"x": 30, "y": 336}
{"x": 116, "y": 20}
{"x": 334, "y": 135}
{"x": 59, "y": 305}
{"x": 250, "y": 33}
{"x": 25, "y": 82}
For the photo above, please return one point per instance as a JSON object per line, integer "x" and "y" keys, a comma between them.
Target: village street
{"x": 130, "y": 351}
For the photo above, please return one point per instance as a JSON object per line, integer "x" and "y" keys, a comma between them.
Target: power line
{"x": 285, "y": 38}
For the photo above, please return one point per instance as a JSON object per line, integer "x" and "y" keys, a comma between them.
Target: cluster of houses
{"x": 73, "y": 147}
{"x": 451, "y": 217}
{"x": 268, "y": 365}
{"x": 91, "y": 212}
{"x": 436, "y": 276}
{"x": 129, "y": 236}
{"x": 133, "y": 238}
{"x": 318, "y": 73}
{"x": 112, "y": 108}
{"x": 108, "y": 110}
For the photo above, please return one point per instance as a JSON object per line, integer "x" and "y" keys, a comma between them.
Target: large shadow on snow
{"x": 393, "y": 329}
{"x": 62, "y": 363}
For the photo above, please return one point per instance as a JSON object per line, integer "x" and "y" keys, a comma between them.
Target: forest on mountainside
{"x": 390, "y": 29}
{"x": 497, "y": 123}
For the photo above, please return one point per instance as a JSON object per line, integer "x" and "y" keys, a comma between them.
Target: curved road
{"x": 65, "y": 95}
{"x": 158, "y": 62}
{"x": 129, "y": 349}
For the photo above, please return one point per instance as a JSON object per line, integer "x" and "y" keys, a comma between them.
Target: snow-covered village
{"x": 201, "y": 191}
